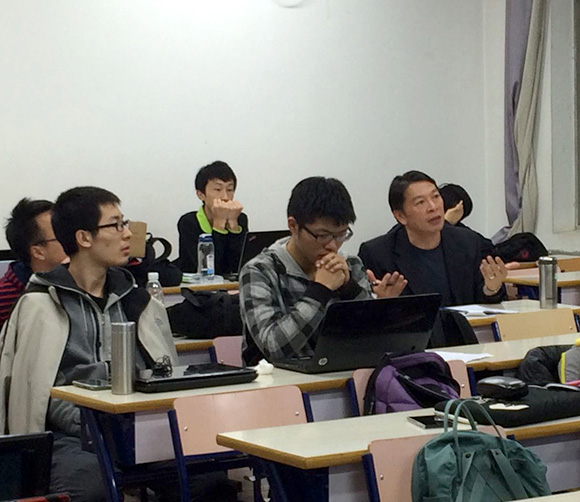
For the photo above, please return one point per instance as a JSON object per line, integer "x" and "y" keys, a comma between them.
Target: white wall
{"x": 136, "y": 95}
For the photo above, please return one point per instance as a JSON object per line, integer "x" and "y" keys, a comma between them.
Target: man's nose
{"x": 333, "y": 245}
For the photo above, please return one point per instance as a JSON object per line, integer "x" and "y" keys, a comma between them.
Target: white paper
{"x": 461, "y": 356}
{"x": 480, "y": 310}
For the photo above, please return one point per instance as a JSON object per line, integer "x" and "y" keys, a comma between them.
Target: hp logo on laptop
{"x": 323, "y": 361}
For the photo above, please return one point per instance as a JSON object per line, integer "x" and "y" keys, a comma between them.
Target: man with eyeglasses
{"x": 284, "y": 291}
{"x": 60, "y": 331}
{"x": 31, "y": 238}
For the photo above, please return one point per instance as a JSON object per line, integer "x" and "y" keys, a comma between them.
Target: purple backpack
{"x": 409, "y": 382}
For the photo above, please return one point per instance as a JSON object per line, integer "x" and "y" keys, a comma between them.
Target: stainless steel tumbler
{"x": 548, "y": 282}
{"x": 122, "y": 357}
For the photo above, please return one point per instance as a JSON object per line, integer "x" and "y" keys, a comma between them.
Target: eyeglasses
{"x": 327, "y": 238}
{"x": 44, "y": 241}
{"x": 119, "y": 225}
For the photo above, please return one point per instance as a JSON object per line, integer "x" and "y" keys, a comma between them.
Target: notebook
{"x": 256, "y": 242}
{"x": 195, "y": 376}
{"x": 357, "y": 333}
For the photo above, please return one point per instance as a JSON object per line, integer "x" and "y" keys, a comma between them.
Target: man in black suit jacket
{"x": 422, "y": 254}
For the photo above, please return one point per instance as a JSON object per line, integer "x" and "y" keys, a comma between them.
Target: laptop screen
{"x": 357, "y": 333}
{"x": 256, "y": 242}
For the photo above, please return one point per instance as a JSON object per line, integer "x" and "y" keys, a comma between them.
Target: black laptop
{"x": 195, "y": 376}
{"x": 256, "y": 242}
{"x": 357, "y": 333}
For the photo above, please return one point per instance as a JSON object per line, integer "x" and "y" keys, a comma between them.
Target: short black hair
{"x": 22, "y": 230}
{"x": 400, "y": 184}
{"x": 217, "y": 170}
{"x": 79, "y": 209}
{"x": 319, "y": 197}
{"x": 452, "y": 194}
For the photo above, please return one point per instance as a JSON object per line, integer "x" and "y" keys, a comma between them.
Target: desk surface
{"x": 338, "y": 442}
{"x": 104, "y": 400}
{"x": 518, "y": 305}
{"x": 565, "y": 279}
{"x": 322, "y": 444}
{"x": 210, "y": 286}
{"x": 507, "y": 355}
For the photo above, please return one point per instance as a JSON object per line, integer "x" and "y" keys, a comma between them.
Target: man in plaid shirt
{"x": 284, "y": 291}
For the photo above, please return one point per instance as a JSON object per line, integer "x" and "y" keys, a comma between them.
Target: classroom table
{"x": 507, "y": 355}
{"x": 568, "y": 283}
{"x": 482, "y": 324}
{"x": 325, "y": 457}
{"x": 173, "y": 293}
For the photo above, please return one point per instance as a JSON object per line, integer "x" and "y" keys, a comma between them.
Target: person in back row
{"x": 60, "y": 331}
{"x": 433, "y": 256}
{"x": 220, "y": 215}
{"x": 284, "y": 290}
{"x": 31, "y": 238}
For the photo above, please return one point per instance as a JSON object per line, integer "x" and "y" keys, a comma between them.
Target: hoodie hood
{"x": 119, "y": 280}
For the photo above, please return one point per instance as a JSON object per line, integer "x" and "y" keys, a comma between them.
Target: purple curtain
{"x": 518, "y": 14}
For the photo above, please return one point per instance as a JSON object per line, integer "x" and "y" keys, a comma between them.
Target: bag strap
{"x": 509, "y": 474}
{"x": 466, "y": 462}
{"x": 195, "y": 297}
{"x": 370, "y": 397}
{"x": 166, "y": 247}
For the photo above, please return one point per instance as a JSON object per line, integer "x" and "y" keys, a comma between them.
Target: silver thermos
{"x": 122, "y": 357}
{"x": 548, "y": 282}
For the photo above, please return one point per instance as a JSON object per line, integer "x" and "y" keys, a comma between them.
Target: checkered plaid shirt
{"x": 282, "y": 308}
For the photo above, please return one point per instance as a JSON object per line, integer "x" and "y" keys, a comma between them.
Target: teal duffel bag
{"x": 472, "y": 466}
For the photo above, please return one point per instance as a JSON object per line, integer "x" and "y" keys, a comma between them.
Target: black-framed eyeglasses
{"x": 119, "y": 225}
{"x": 44, "y": 242}
{"x": 327, "y": 238}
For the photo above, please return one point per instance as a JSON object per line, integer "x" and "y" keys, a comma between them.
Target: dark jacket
{"x": 228, "y": 246}
{"x": 462, "y": 255}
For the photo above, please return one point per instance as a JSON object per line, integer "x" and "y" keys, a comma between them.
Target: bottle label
{"x": 210, "y": 265}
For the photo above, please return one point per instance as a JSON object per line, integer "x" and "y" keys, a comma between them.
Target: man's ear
{"x": 37, "y": 253}
{"x": 84, "y": 238}
{"x": 293, "y": 225}
{"x": 200, "y": 195}
{"x": 400, "y": 216}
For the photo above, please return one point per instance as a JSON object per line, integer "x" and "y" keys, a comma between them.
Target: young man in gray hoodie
{"x": 63, "y": 328}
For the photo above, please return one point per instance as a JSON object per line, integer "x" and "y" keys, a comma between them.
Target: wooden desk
{"x": 337, "y": 447}
{"x": 208, "y": 286}
{"x": 569, "y": 282}
{"x": 482, "y": 325}
{"x": 507, "y": 355}
{"x": 105, "y": 400}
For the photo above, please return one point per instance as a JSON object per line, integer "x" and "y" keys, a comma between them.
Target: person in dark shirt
{"x": 433, "y": 257}
{"x": 220, "y": 215}
{"x": 458, "y": 205}
{"x": 31, "y": 238}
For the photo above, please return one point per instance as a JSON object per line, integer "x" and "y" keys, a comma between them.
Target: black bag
{"x": 521, "y": 247}
{"x": 451, "y": 328}
{"x": 169, "y": 274}
{"x": 206, "y": 314}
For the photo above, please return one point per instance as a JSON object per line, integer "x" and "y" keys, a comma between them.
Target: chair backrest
{"x": 536, "y": 324}
{"x": 393, "y": 479}
{"x": 361, "y": 377}
{"x": 228, "y": 350}
{"x": 25, "y": 461}
{"x": 201, "y": 418}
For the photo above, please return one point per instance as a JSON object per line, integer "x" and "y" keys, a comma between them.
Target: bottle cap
{"x": 205, "y": 238}
{"x": 153, "y": 276}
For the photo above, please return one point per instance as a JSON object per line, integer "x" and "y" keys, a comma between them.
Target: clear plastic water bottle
{"x": 154, "y": 286}
{"x": 548, "y": 282}
{"x": 205, "y": 257}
